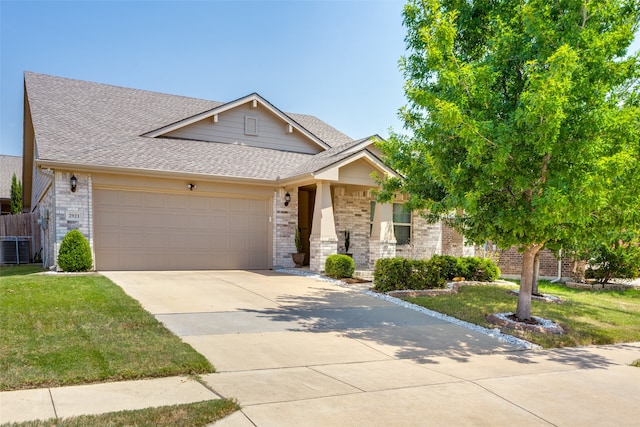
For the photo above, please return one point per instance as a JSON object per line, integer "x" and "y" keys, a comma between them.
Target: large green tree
{"x": 523, "y": 118}
{"x": 16, "y": 195}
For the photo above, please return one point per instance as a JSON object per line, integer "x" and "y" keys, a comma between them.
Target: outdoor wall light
{"x": 74, "y": 183}
{"x": 287, "y": 199}
{"x": 191, "y": 186}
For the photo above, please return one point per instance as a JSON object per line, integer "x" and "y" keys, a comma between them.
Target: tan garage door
{"x": 154, "y": 231}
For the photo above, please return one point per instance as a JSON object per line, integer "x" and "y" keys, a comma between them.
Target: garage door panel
{"x": 156, "y": 231}
{"x": 154, "y": 200}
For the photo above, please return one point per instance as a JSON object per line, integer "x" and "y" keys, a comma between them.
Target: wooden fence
{"x": 25, "y": 224}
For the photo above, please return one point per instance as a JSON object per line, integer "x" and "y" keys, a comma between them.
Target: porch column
{"x": 382, "y": 243}
{"x": 323, "y": 240}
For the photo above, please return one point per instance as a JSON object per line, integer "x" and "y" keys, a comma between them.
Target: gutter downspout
{"x": 559, "y": 268}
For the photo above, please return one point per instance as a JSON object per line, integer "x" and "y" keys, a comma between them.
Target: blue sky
{"x": 332, "y": 59}
{"x": 336, "y": 60}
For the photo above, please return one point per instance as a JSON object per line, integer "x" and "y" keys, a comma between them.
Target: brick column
{"x": 323, "y": 241}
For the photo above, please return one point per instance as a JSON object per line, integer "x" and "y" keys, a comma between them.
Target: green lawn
{"x": 187, "y": 415}
{"x": 603, "y": 317}
{"x": 59, "y": 330}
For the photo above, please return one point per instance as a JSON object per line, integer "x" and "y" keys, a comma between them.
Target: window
{"x": 401, "y": 224}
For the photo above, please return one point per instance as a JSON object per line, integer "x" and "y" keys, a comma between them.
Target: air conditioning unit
{"x": 15, "y": 250}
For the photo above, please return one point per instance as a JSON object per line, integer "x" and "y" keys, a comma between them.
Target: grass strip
{"x": 588, "y": 318}
{"x": 184, "y": 415}
{"x": 60, "y": 330}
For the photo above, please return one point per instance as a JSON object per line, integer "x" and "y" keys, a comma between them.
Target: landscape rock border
{"x": 452, "y": 288}
{"x": 542, "y": 325}
{"x": 600, "y": 286}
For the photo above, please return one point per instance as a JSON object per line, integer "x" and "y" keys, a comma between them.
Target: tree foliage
{"x": 524, "y": 118}
{"x": 16, "y": 195}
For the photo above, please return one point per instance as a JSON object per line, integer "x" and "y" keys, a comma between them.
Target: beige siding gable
{"x": 248, "y": 125}
{"x": 358, "y": 173}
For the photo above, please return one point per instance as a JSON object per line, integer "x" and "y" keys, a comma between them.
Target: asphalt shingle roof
{"x": 86, "y": 123}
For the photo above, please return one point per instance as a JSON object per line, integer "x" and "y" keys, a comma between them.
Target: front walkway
{"x": 297, "y": 351}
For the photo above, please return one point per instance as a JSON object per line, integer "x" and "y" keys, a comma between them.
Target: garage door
{"x": 154, "y": 231}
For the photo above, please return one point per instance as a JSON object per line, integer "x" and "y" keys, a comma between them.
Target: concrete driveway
{"x": 297, "y": 351}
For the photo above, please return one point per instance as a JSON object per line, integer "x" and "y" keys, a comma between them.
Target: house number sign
{"x": 74, "y": 215}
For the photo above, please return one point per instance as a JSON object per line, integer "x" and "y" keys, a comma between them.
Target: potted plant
{"x": 347, "y": 242}
{"x": 298, "y": 257}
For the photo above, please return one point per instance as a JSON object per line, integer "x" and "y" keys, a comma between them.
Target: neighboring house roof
{"x": 8, "y": 166}
{"x": 102, "y": 126}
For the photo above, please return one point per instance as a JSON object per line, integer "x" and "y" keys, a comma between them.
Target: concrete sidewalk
{"x": 295, "y": 351}
{"x": 64, "y": 402}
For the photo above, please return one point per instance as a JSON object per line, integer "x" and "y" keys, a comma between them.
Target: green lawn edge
{"x": 185, "y": 415}
{"x": 58, "y": 330}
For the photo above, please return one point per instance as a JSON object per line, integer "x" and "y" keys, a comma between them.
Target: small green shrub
{"x": 75, "y": 252}
{"x": 449, "y": 266}
{"x": 618, "y": 257}
{"x": 339, "y": 266}
{"x": 417, "y": 275}
{"x": 436, "y": 271}
{"x": 390, "y": 274}
{"x": 479, "y": 269}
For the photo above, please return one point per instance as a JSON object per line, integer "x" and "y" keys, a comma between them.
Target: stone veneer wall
{"x": 352, "y": 211}
{"x": 320, "y": 250}
{"x": 284, "y": 230}
{"x": 80, "y": 201}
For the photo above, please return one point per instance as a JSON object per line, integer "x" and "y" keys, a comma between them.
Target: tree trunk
{"x": 523, "y": 311}
{"x": 536, "y": 274}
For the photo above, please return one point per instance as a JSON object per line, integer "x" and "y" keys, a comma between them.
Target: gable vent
{"x": 251, "y": 125}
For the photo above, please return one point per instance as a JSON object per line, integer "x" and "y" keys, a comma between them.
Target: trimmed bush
{"x": 75, "y": 252}
{"x": 339, "y": 266}
{"x": 392, "y": 274}
{"x": 479, "y": 269}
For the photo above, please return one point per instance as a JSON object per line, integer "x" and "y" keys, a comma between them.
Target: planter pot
{"x": 298, "y": 259}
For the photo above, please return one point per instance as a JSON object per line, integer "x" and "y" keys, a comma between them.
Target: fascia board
{"x": 153, "y": 173}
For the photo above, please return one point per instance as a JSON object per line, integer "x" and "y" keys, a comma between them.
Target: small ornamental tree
{"x": 524, "y": 120}
{"x": 16, "y": 195}
{"x": 75, "y": 252}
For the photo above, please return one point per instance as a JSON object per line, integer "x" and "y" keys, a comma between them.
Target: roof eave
{"x": 156, "y": 173}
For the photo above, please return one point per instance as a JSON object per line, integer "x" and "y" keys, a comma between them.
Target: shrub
{"x": 618, "y": 258}
{"x": 75, "y": 252}
{"x": 339, "y": 266}
{"x": 437, "y": 269}
{"x": 479, "y": 269}
{"x": 390, "y": 274}
{"x": 417, "y": 275}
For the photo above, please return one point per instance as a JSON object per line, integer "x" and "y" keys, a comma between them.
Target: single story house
{"x": 166, "y": 182}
